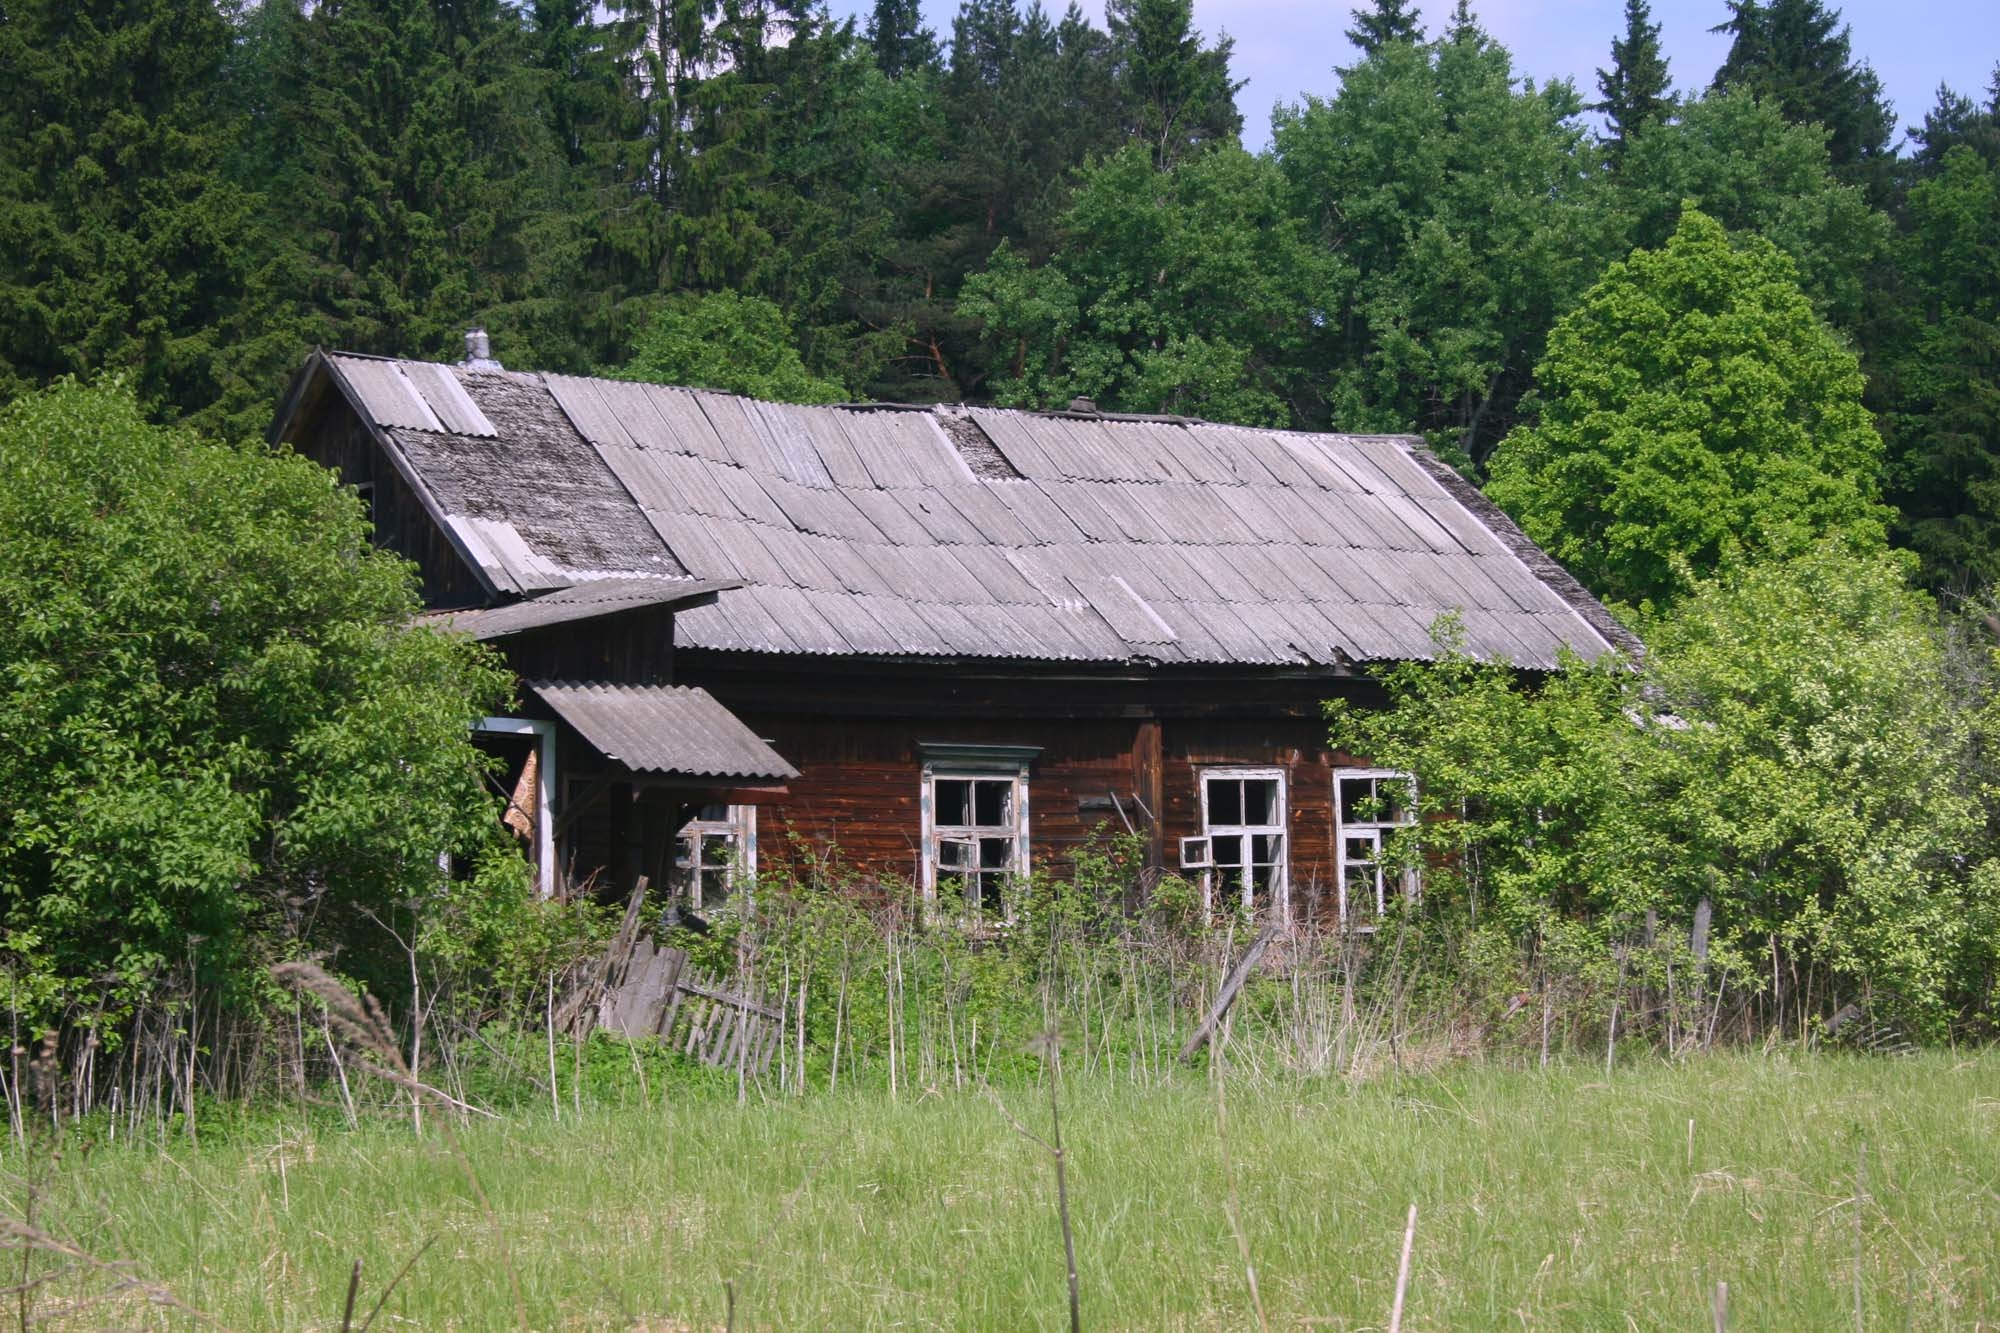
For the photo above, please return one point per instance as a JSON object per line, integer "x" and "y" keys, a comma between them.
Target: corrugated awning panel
{"x": 448, "y": 400}
{"x": 667, "y": 729}
{"x": 386, "y": 394}
{"x": 584, "y": 601}
{"x": 584, "y": 405}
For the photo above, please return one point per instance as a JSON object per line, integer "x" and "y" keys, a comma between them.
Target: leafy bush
{"x": 221, "y": 739}
{"x": 1806, "y": 747}
{"x": 1696, "y": 412}
{"x": 727, "y": 341}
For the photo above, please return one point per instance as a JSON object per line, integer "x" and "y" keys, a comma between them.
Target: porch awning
{"x": 668, "y": 729}
{"x": 584, "y": 601}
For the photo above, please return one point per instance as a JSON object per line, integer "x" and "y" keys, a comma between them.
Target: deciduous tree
{"x": 1694, "y": 412}
{"x": 222, "y": 740}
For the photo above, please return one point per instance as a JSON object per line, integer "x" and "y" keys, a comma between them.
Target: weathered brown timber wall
{"x": 1142, "y": 737}
{"x": 628, "y": 648}
{"x": 328, "y": 432}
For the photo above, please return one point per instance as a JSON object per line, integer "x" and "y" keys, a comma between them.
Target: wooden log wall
{"x": 857, "y": 796}
{"x": 328, "y": 432}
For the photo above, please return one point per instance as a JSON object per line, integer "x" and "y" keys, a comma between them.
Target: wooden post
{"x": 1149, "y": 779}
{"x": 1227, "y": 995}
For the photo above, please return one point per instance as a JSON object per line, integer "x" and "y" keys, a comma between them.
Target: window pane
{"x": 1225, "y": 801}
{"x": 991, "y": 802}
{"x": 1361, "y": 890}
{"x": 1228, "y": 850}
{"x": 955, "y": 853}
{"x": 1260, "y": 802}
{"x": 714, "y": 888}
{"x": 713, "y": 814}
{"x": 1356, "y": 796}
{"x": 1360, "y": 850}
{"x": 996, "y": 853}
{"x": 984, "y": 898}
{"x": 1266, "y": 884}
{"x": 1267, "y": 848}
{"x": 954, "y": 801}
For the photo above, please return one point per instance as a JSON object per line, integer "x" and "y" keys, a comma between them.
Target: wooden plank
{"x": 1227, "y": 995}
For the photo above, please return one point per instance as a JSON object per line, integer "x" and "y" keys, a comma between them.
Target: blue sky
{"x": 1288, "y": 47}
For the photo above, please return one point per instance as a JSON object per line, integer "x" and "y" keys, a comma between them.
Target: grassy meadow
{"x": 1549, "y": 1199}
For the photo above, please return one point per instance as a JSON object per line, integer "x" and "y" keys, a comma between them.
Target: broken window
{"x": 1370, "y": 804}
{"x": 1243, "y": 818}
{"x": 977, "y": 840}
{"x": 717, "y": 852}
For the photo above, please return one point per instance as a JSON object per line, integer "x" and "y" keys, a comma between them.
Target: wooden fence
{"x": 640, "y": 989}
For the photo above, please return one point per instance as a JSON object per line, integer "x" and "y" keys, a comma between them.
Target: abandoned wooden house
{"x": 940, "y": 646}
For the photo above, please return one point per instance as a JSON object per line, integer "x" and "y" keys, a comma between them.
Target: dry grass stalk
{"x": 1049, "y": 1048}
{"x": 394, "y": 1282}
{"x": 360, "y": 1019}
{"x": 1403, "y": 1272}
{"x": 1230, "y": 1207}
{"x": 31, "y": 1239}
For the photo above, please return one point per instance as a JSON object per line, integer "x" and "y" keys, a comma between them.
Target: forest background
{"x": 1029, "y": 207}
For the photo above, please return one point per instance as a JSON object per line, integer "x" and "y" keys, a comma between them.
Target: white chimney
{"x": 479, "y": 351}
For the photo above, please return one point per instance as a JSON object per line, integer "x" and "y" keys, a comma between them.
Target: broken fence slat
{"x": 1227, "y": 995}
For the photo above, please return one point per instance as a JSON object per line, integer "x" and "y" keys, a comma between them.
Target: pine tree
{"x": 1794, "y": 54}
{"x": 1635, "y": 88}
{"x": 1178, "y": 92}
{"x": 1389, "y": 21}
{"x": 900, "y": 41}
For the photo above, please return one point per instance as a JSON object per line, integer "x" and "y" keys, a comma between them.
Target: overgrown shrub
{"x": 222, "y": 741}
{"x": 1806, "y": 750}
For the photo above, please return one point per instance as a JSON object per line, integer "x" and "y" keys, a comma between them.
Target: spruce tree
{"x": 898, "y": 38}
{"x": 1178, "y": 92}
{"x": 1953, "y": 120}
{"x": 1387, "y": 21}
{"x": 408, "y": 168}
{"x": 121, "y": 246}
{"x": 1797, "y": 55}
{"x": 1635, "y": 88}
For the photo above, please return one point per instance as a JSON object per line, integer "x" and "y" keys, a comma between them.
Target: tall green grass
{"x": 1546, "y": 1198}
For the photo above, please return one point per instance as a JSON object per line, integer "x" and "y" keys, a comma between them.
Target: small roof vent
{"x": 479, "y": 351}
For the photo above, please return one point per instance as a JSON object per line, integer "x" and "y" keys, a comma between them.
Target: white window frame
{"x": 1281, "y": 891}
{"x": 545, "y": 790}
{"x": 738, "y": 828}
{"x": 1007, "y": 764}
{"x": 1376, "y": 831}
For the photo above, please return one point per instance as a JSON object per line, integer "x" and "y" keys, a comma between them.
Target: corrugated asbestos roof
{"x": 585, "y": 601}
{"x": 979, "y": 533}
{"x": 664, "y": 729}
